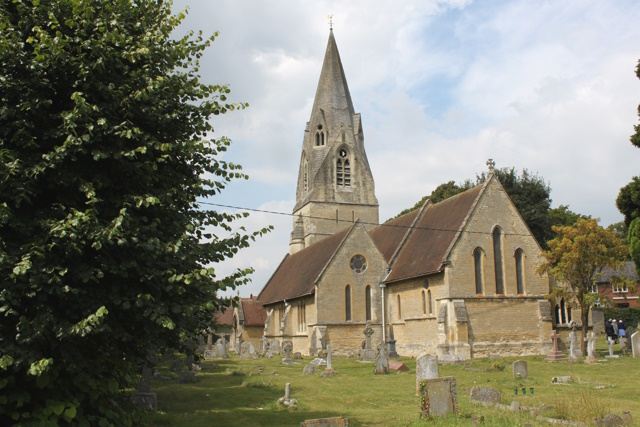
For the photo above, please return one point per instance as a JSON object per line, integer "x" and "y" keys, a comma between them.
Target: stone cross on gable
{"x": 491, "y": 165}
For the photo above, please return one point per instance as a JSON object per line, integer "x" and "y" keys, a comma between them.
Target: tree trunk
{"x": 584, "y": 316}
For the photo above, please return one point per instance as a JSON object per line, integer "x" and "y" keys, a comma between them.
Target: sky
{"x": 442, "y": 86}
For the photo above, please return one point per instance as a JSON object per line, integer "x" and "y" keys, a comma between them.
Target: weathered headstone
{"x": 318, "y": 362}
{"x": 439, "y": 396}
{"x": 310, "y": 370}
{"x": 555, "y": 355}
{"x": 520, "y": 369}
{"x": 287, "y": 346}
{"x": 426, "y": 368}
{"x": 610, "y": 341}
{"x": 245, "y": 350}
{"x": 187, "y": 377}
{"x": 623, "y": 345}
{"x": 484, "y": 395}
{"x": 221, "y": 349}
{"x": 396, "y": 366}
{"x": 275, "y": 347}
{"x": 635, "y": 344}
{"x": 297, "y": 355}
{"x": 144, "y": 397}
{"x": 368, "y": 353}
{"x": 591, "y": 348}
{"x": 264, "y": 342}
{"x": 329, "y": 371}
{"x": 573, "y": 345}
{"x": 382, "y": 360}
{"x": 287, "y": 400}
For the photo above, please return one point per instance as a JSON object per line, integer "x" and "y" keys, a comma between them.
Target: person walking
{"x": 614, "y": 323}
{"x": 622, "y": 330}
{"x": 608, "y": 329}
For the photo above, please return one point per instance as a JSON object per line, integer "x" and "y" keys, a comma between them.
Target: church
{"x": 455, "y": 278}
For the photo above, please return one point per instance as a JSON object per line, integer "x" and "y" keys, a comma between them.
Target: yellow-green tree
{"x": 576, "y": 257}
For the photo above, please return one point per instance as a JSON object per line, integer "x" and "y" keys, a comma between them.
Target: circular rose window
{"x": 358, "y": 263}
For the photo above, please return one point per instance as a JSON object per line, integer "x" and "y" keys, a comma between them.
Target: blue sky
{"x": 442, "y": 86}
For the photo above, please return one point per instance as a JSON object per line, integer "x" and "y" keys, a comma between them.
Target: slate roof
{"x": 629, "y": 271}
{"x": 224, "y": 316}
{"x": 429, "y": 242}
{"x": 388, "y": 236}
{"x": 253, "y": 311}
{"x": 297, "y": 274}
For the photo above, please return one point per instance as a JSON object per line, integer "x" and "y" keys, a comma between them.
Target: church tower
{"x": 335, "y": 184}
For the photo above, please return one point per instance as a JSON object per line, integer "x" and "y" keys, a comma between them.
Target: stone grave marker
{"x": 520, "y": 369}
{"x": 635, "y": 344}
{"x": 297, "y": 355}
{"x": 318, "y": 362}
{"x": 573, "y": 345}
{"x": 287, "y": 346}
{"x": 221, "y": 349}
{"x": 426, "y": 368}
{"x": 396, "y": 366}
{"x": 329, "y": 369}
{"x": 382, "y": 360}
{"x": 484, "y": 395}
{"x": 623, "y": 346}
{"x": 555, "y": 355}
{"x": 275, "y": 347}
{"x": 591, "y": 348}
{"x": 610, "y": 341}
{"x": 144, "y": 397}
{"x": 439, "y": 396}
{"x": 287, "y": 400}
{"x": 368, "y": 353}
{"x": 310, "y": 370}
{"x": 245, "y": 350}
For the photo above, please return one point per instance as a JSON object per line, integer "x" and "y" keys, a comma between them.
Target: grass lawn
{"x": 240, "y": 393}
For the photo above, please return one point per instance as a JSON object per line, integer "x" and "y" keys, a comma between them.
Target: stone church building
{"x": 455, "y": 278}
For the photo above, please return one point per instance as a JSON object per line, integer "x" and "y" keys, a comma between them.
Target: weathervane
{"x": 330, "y": 21}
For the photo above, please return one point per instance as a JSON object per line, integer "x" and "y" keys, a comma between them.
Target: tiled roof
{"x": 629, "y": 271}
{"x": 427, "y": 246}
{"x": 297, "y": 274}
{"x": 224, "y": 316}
{"x": 254, "y": 313}
{"x": 388, "y": 236}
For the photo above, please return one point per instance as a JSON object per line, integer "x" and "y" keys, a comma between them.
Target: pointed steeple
{"x": 333, "y": 92}
{"x": 335, "y": 184}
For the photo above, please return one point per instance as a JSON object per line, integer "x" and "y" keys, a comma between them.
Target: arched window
{"x": 424, "y": 302}
{"x": 322, "y": 138}
{"x": 347, "y": 303}
{"x": 367, "y": 298}
{"x": 520, "y": 271}
{"x": 563, "y": 312}
{"x": 430, "y": 300}
{"x": 343, "y": 169}
{"x": 317, "y": 139}
{"x": 497, "y": 259}
{"x": 399, "y": 309}
{"x": 477, "y": 263}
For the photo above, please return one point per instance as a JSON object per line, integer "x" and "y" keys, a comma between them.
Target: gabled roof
{"x": 628, "y": 271}
{"x": 253, "y": 312}
{"x": 224, "y": 316}
{"x": 297, "y": 274}
{"x": 388, "y": 236}
{"x": 428, "y": 244}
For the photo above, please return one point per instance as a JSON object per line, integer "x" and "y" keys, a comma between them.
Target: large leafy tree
{"x": 104, "y": 157}
{"x": 634, "y": 243}
{"x": 628, "y": 201}
{"x": 635, "y": 138}
{"x": 576, "y": 257}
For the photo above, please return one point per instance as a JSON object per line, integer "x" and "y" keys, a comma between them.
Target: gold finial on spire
{"x": 330, "y": 22}
{"x": 491, "y": 164}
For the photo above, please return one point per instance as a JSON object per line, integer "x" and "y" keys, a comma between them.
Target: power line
{"x": 351, "y": 222}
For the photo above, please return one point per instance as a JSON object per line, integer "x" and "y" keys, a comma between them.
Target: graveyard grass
{"x": 238, "y": 393}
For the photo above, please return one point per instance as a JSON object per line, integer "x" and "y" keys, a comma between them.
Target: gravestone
{"x": 635, "y": 345}
{"x": 209, "y": 352}
{"x": 610, "y": 341}
{"x": 245, "y": 350}
{"x": 368, "y": 353}
{"x": 484, "y": 395}
{"x": 318, "y": 362}
{"x": 382, "y": 360}
{"x": 297, "y": 355}
{"x": 326, "y": 422}
{"x": 264, "y": 342}
{"x": 555, "y": 355}
{"x": 439, "y": 396}
{"x": 221, "y": 349}
{"x": 426, "y": 368}
{"x": 287, "y": 400}
{"x": 275, "y": 347}
{"x": 144, "y": 397}
{"x": 623, "y": 346}
{"x": 573, "y": 344}
{"x": 520, "y": 369}
{"x": 396, "y": 366}
{"x": 329, "y": 369}
{"x": 287, "y": 346}
{"x": 591, "y": 348}
{"x": 310, "y": 370}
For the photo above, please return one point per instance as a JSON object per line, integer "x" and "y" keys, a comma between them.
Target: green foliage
{"x": 628, "y": 201}
{"x": 104, "y": 157}
{"x": 634, "y": 243}
{"x": 442, "y": 192}
{"x": 635, "y": 138}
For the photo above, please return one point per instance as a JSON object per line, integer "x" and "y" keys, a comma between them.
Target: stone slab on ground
{"x": 484, "y": 395}
{"x": 398, "y": 366}
{"x": 326, "y": 422}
